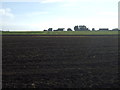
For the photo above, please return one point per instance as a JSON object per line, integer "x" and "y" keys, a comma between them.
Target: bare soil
{"x": 59, "y": 61}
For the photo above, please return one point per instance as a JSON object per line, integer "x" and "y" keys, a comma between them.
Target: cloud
{"x": 110, "y": 13}
{"x": 51, "y": 1}
{"x": 6, "y": 12}
{"x": 36, "y": 13}
{"x": 6, "y": 16}
{"x": 91, "y": 22}
{"x": 54, "y": 1}
{"x": 18, "y": 26}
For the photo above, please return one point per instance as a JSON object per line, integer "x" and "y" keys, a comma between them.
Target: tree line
{"x": 82, "y": 28}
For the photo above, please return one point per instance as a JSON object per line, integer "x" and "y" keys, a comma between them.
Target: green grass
{"x": 60, "y": 33}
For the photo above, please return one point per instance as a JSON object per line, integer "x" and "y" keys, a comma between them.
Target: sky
{"x": 43, "y": 14}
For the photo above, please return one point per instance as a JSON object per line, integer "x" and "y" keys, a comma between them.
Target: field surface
{"x": 59, "y": 61}
{"x": 60, "y": 32}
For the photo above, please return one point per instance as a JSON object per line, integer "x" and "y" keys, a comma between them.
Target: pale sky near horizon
{"x": 55, "y": 14}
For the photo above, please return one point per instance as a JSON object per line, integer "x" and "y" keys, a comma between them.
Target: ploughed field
{"x": 59, "y": 61}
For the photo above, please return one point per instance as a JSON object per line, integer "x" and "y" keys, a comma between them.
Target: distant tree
{"x": 115, "y": 29}
{"x": 69, "y": 29}
{"x": 93, "y": 29}
{"x": 83, "y": 28}
{"x": 55, "y": 30}
{"x": 50, "y": 29}
{"x": 87, "y": 29}
{"x": 76, "y": 28}
{"x": 45, "y": 30}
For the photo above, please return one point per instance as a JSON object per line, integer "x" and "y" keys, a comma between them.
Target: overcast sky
{"x": 55, "y": 14}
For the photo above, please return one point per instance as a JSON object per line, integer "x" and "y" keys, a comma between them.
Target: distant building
{"x": 69, "y": 29}
{"x": 103, "y": 29}
{"x": 60, "y": 29}
{"x": 50, "y": 29}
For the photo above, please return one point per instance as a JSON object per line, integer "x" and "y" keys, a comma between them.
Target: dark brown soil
{"x": 59, "y": 61}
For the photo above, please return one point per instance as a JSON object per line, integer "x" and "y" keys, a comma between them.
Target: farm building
{"x": 59, "y": 29}
{"x": 103, "y": 29}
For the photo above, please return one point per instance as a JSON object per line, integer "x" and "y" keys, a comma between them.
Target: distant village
{"x": 82, "y": 28}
